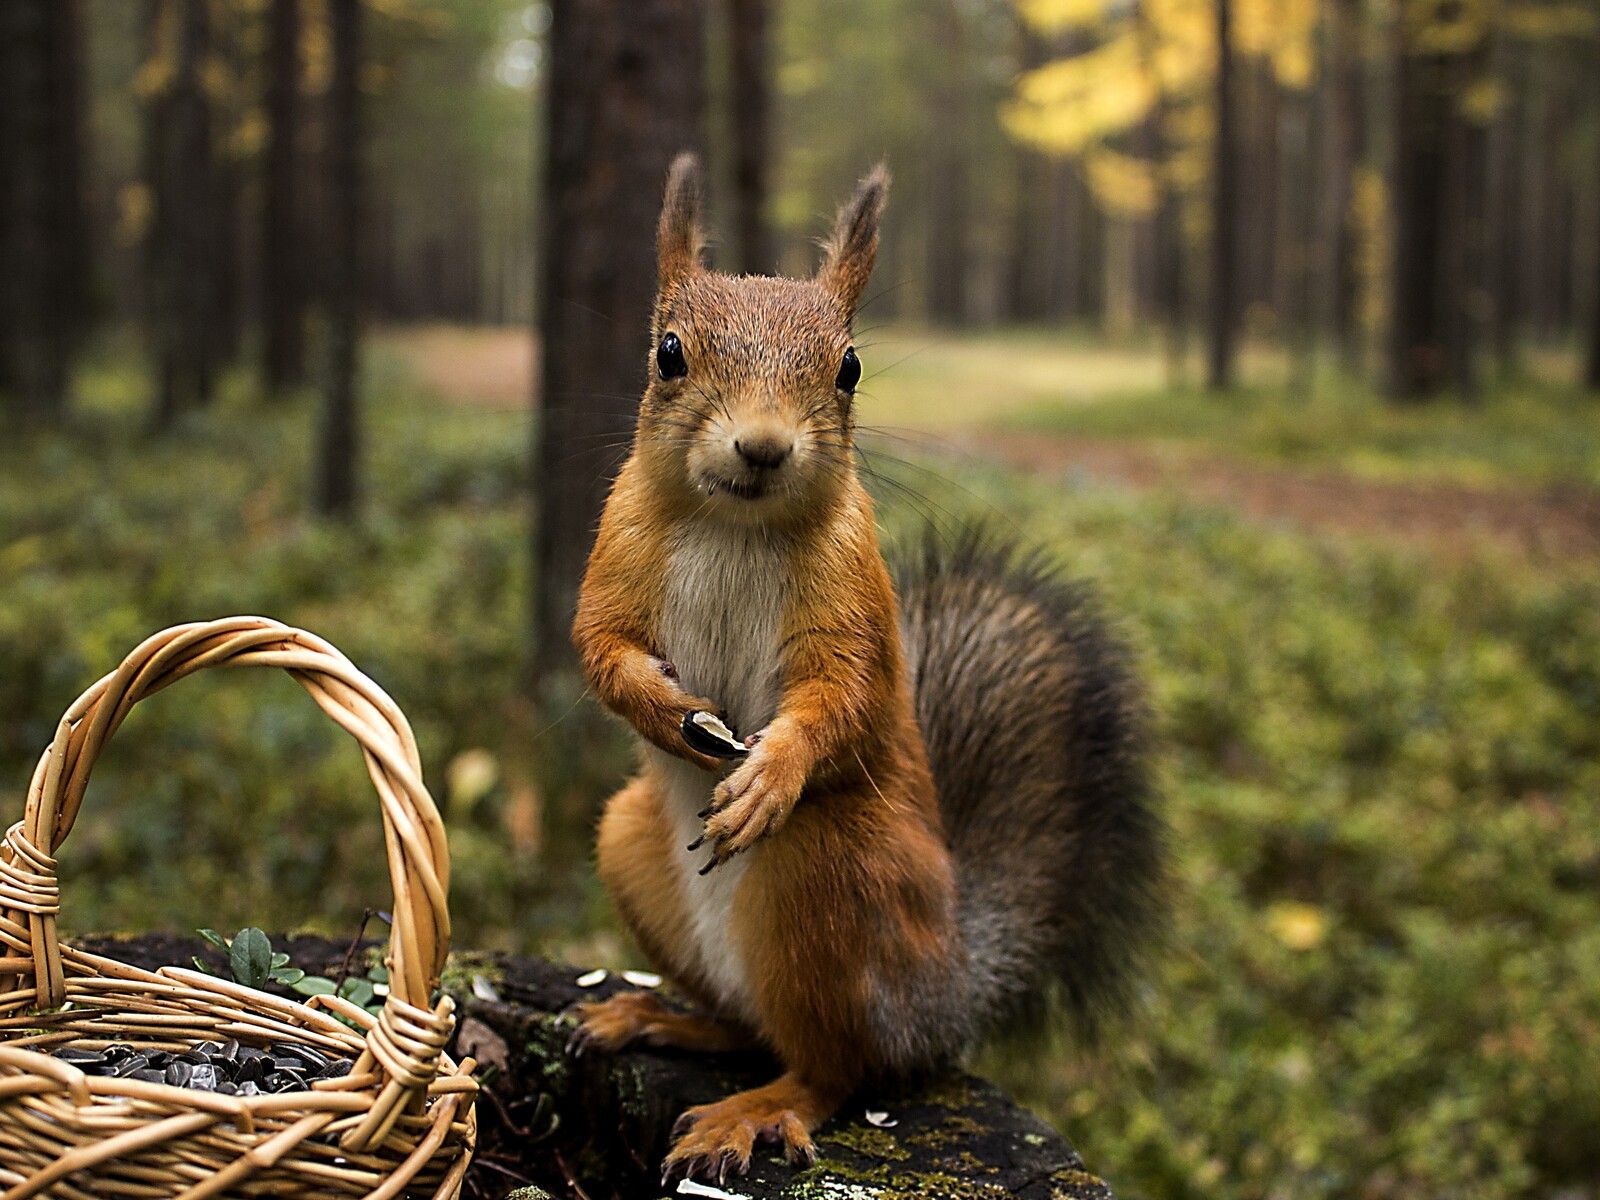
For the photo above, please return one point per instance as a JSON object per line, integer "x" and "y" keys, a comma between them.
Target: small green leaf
{"x": 250, "y": 958}
{"x": 379, "y": 974}
{"x": 357, "y": 991}
{"x": 314, "y": 985}
{"x": 200, "y": 966}
{"x": 288, "y": 976}
{"x": 279, "y": 960}
{"x": 215, "y": 938}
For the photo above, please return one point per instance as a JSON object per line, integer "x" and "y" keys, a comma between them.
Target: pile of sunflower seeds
{"x": 224, "y": 1067}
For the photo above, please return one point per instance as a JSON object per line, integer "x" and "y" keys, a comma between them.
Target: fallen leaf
{"x": 478, "y": 1041}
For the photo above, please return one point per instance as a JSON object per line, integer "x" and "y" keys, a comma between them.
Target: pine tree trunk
{"x": 282, "y": 349}
{"x": 1419, "y": 361}
{"x": 42, "y": 259}
{"x": 338, "y": 455}
{"x": 625, "y": 95}
{"x": 945, "y": 163}
{"x": 72, "y": 270}
{"x": 1505, "y": 211}
{"x": 184, "y": 258}
{"x": 1591, "y": 374}
{"x": 751, "y": 105}
{"x": 1223, "y": 317}
{"x": 1344, "y": 127}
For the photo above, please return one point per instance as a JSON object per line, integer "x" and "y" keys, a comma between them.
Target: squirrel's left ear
{"x": 678, "y": 237}
{"x": 853, "y": 246}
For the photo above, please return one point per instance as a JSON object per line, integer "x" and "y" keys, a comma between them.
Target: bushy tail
{"x": 1035, "y": 732}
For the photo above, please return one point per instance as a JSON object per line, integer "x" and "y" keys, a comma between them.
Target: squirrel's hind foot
{"x": 712, "y": 1141}
{"x": 627, "y": 1018}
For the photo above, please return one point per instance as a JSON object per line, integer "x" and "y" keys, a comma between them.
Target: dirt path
{"x": 493, "y": 368}
{"x": 1551, "y": 523}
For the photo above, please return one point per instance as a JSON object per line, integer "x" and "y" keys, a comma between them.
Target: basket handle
{"x": 407, "y": 1039}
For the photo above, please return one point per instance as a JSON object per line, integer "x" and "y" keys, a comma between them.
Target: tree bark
{"x": 43, "y": 256}
{"x": 625, "y": 95}
{"x": 751, "y": 105}
{"x": 338, "y": 458}
{"x": 945, "y": 161}
{"x": 1419, "y": 336}
{"x": 1223, "y": 319}
{"x": 282, "y": 313}
{"x": 183, "y": 247}
{"x": 1591, "y": 374}
{"x": 1166, "y": 224}
{"x": 1345, "y": 130}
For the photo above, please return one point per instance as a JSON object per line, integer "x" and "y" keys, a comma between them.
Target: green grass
{"x": 1528, "y": 432}
{"x": 1383, "y": 771}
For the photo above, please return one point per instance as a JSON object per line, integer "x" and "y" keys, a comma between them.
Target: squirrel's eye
{"x": 669, "y": 358}
{"x": 849, "y": 372}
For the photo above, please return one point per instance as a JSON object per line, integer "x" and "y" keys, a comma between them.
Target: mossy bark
{"x": 551, "y": 1124}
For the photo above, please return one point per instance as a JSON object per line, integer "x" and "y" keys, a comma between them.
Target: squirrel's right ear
{"x": 678, "y": 237}
{"x": 853, "y": 246}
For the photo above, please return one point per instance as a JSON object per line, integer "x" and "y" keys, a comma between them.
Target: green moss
{"x": 955, "y": 1127}
{"x": 461, "y": 968}
{"x": 870, "y": 1142}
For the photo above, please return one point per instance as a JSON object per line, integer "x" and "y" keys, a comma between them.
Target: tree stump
{"x": 596, "y": 1127}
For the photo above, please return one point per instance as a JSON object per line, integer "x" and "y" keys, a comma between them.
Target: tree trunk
{"x": 338, "y": 476}
{"x": 1166, "y": 221}
{"x": 1344, "y": 127}
{"x": 1506, "y": 210}
{"x": 619, "y": 108}
{"x": 184, "y": 243}
{"x": 1024, "y": 282}
{"x": 751, "y": 104}
{"x": 1419, "y": 358}
{"x": 282, "y": 348}
{"x": 43, "y": 259}
{"x": 1222, "y": 320}
{"x": 945, "y": 161}
{"x": 1591, "y": 374}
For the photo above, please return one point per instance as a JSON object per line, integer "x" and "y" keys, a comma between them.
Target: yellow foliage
{"x": 316, "y": 47}
{"x": 1297, "y": 926}
{"x": 249, "y": 135}
{"x": 1482, "y": 102}
{"x": 1281, "y": 31}
{"x": 1447, "y": 26}
{"x": 1121, "y": 184}
{"x": 1547, "y": 21}
{"x": 1053, "y": 16}
{"x": 1074, "y": 103}
{"x": 135, "y": 210}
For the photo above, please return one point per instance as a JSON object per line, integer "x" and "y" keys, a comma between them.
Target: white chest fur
{"x": 721, "y": 625}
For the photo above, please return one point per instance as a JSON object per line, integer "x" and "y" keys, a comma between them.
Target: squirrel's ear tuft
{"x": 853, "y": 246}
{"x": 678, "y": 236}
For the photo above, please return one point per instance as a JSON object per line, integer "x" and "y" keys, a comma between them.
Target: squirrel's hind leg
{"x": 716, "y": 1140}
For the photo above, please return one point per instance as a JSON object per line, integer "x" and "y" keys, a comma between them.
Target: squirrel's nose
{"x": 763, "y": 450}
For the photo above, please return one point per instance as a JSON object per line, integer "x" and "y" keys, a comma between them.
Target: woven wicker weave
{"x": 400, "y": 1123}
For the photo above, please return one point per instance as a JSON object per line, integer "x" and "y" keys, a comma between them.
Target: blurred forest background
{"x": 1277, "y": 319}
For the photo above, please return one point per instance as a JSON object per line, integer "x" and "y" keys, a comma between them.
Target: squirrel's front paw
{"x": 751, "y": 804}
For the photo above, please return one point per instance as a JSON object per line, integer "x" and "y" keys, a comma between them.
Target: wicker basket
{"x": 400, "y": 1123}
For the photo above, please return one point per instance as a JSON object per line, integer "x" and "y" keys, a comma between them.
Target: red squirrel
{"x": 943, "y": 814}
